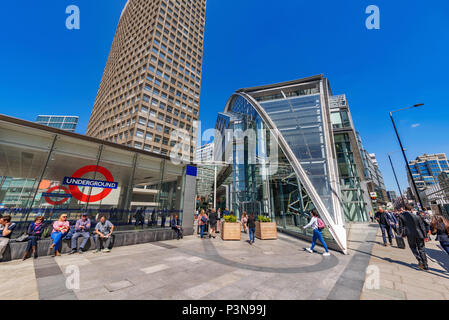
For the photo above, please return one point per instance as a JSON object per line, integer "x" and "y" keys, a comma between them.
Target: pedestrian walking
{"x": 213, "y": 218}
{"x": 202, "y": 221}
{"x": 394, "y": 223}
{"x": 244, "y": 222}
{"x": 412, "y": 227}
{"x": 251, "y": 222}
{"x": 318, "y": 226}
{"x": 427, "y": 221}
{"x": 384, "y": 224}
{"x": 440, "y": 228}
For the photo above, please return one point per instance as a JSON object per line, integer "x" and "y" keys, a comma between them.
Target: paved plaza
{"x": 213, "y": 269}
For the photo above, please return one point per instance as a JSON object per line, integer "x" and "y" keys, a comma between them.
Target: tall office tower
{"x": 67, "y": 123}
{"x": 150, "y": 90}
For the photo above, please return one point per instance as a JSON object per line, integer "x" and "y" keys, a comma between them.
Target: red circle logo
{"x": 55, "y": 203}
{"x": 75, "y": 191}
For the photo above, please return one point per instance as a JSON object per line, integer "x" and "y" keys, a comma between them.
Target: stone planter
{"x": 266, "y": 230}
{"x": 230, "y": 231}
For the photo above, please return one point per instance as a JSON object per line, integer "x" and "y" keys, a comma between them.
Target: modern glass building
{"x": 426, "y": 169}
{"x": 47, "y": 171}
{"x": 67, "y": 123}
{"x": 351, "y": 168}
{"x": 279, "y": 140}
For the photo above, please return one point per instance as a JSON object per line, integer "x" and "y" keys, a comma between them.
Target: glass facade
{"x": 300, "y": 121}
{"x": 263, "y": 139}
{"x": 48, "y": 173}
{"x": 426, "y": 169}
{"x": 67, "y": 123}
{"x": 354, "y": 206}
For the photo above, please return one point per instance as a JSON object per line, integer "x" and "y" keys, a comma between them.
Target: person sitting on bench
{"x": 103, "y": 230}
{"x": 6, "y": 229}
{"x": 34, "y": 233}
{"x": 82, "y": 228}
{"x": 60, "y": 230}
{"x": 176, "y": 227}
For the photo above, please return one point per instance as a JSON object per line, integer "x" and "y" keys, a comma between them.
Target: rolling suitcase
{"x": 400, "y": 241}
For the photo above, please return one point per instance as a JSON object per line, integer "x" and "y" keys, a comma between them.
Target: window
{"x": 139, "y": 133}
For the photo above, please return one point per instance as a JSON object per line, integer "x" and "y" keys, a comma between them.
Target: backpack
{"x": 321, "y": 224}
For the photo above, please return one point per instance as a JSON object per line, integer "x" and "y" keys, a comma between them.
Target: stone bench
{"x": 16, "y": 250}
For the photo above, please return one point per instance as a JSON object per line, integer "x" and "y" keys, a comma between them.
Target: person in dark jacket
{"x": 213, "y": 218}
{"x": 412, "y": 227}
{"x": 392, "y": 220}
{"x": 176, "y": 226}
{"x": 252, "y": 228}
{"x": 440, "y": 227}
{"x": 34, "y": 233}
{"x": 384, "y": 224}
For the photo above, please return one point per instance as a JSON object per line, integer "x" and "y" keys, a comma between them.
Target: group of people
{"x": 417, "y": 226}
{"x": 60, "y": 230}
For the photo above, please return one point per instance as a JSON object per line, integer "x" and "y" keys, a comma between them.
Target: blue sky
{"x": 248, "y": 43}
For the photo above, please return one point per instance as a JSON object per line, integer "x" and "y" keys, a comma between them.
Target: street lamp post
{"x": 397, "y": 182}
{"x": 403, "y": 151}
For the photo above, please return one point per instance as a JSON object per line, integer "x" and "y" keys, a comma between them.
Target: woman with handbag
{"x": 34, "y": 233}
{"x": 202, "y": 221}
{"x": 440, "y": 227}
{"x": 60, "y": 229}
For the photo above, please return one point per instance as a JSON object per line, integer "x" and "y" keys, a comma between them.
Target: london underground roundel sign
{"x": 76, "y": 180}
{"x": 48, "y": 195}
{"x": 75, "y": 191}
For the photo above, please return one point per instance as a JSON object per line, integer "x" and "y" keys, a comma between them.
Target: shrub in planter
{"x": 230, "y": 218}
{"x": 230, "y": 229}
{"x": 265, "y": 229}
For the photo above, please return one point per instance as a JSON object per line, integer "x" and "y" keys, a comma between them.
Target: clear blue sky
{"x": 47, "y": 69}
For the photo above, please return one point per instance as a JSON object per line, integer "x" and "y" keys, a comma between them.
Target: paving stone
{"x": 418, "y": 293}
{"x": 154, "y": 269}
{"x": 111, "y": 287}
{"x": 386, "y": 292}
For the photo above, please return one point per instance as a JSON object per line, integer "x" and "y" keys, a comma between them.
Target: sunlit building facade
{"x": 279, "y": 140}
{"x": 151, "y": 85}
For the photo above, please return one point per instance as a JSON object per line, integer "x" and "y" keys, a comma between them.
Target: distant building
{"x": 205, "y": 153}
{"x": 426, "y": 169}
{"x": 391, "y": 195}
{"x": 354, "y": 191}
{"x": 67, "y": 123}
{"x": 375, "y": 180}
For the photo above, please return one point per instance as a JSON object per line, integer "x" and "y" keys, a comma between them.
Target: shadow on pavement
{"x": 436, "y": 272}
{"x": 439, "y": 256}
